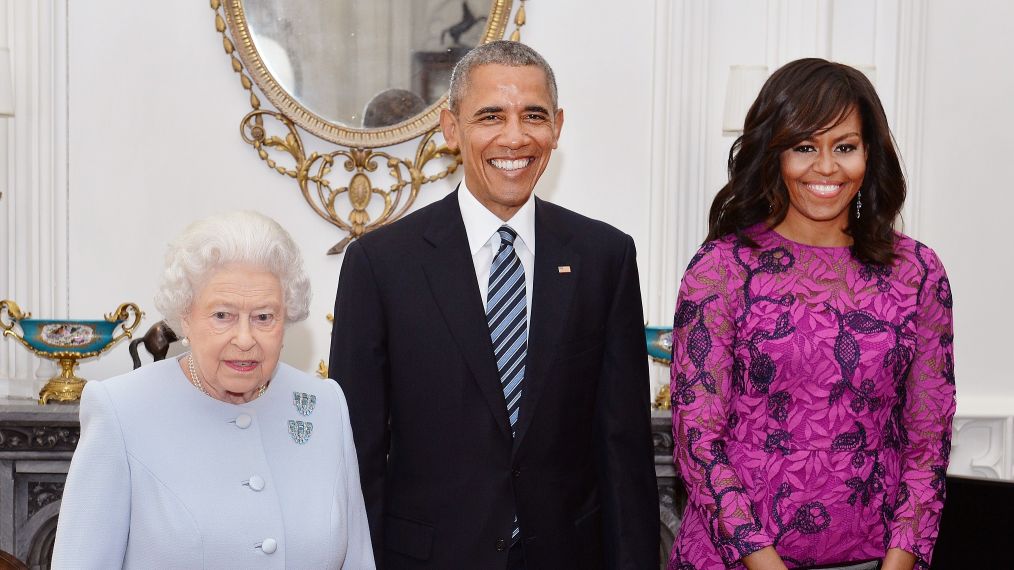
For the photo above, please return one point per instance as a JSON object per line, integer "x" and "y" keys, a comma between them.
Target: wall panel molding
{"x": 678, "y": 212}
{"x": 983, "y": 446}
{"x": 798, "y": 29}
{"x": 909, "y": 119}
{"x": 677, "y": 205}
{"x": 35, "y": 272}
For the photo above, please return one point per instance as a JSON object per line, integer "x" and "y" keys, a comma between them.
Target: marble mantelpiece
{"x": 36, "y": 444}
{"x": 672, "y": 499}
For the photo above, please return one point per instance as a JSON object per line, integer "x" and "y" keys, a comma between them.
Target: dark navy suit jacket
{"x": 441, "y": 475}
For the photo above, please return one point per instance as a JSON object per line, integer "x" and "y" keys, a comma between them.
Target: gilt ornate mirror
{"x": 362, "y": 74}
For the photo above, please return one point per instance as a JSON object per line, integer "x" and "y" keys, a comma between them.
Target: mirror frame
{"x": 496, "y": 24}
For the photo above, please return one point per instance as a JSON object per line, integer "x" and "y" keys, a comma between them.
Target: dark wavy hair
{"x": 801, "y": 99}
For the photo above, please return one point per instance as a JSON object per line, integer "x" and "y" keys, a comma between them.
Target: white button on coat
{"x": 256, "y": 482}
{"x": 269, "y": 546}
{"x": 243, "y": 421}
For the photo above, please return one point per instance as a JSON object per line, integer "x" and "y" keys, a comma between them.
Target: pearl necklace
{"x": 196, "y": 380}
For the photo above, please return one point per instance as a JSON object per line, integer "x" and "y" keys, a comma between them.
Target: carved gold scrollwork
{"x": 352, "y": 197}
{"x": 314, "y": 172}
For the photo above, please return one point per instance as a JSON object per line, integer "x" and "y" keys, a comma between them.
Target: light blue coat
{"x": 167, "y": 477}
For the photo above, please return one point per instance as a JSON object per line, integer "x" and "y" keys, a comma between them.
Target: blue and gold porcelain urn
{"x": 67, "y": 341}
{"x": 659, "y": 341}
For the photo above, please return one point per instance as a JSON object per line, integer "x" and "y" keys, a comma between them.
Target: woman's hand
{"x": 764, "y": 559}
{"x": 898, "y": 559}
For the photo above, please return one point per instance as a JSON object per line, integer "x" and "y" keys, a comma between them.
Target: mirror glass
{"x": 364, "y": 63}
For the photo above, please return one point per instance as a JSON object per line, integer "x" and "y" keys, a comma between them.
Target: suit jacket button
{"x": 516, "y": 473}
{"x": 501, "y": 545}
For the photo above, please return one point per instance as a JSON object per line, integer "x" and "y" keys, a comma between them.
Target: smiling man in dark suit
{"x": 491, "y": 349}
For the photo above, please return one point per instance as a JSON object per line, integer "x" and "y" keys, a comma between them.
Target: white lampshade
{"x": 6, "y": 84}
{"x": 745, "y": 82}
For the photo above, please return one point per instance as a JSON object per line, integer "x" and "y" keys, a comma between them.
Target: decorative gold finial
{"x": 322, "y": 366}
{"x": 519, "y": 22}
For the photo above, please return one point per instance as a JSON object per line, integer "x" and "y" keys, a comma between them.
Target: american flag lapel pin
{"x": 563, "y": 269}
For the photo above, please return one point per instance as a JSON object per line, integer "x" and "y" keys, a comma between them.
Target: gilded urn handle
{"x": 14, "y": 314}
{"x": 121, "y": 314}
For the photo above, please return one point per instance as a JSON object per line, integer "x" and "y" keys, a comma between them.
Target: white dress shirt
{"x": 481, "y": 227}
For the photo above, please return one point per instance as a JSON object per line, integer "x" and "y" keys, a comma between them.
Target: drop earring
{"x": 859, "y": 204}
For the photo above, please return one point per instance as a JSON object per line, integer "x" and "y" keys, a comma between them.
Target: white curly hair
{"x": 249, "y": 238}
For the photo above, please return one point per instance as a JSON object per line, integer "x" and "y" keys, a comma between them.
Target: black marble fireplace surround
{"x": 36, "y": 444}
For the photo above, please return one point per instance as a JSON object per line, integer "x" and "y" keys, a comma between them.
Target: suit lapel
{"x": 451, "y": 276}
{"x": 551, "y": 299}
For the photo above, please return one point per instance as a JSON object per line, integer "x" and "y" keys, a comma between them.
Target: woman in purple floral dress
{"x": 812, "y": 374}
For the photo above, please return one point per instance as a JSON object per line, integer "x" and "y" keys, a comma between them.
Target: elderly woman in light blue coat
{"x": 224, "y": 457}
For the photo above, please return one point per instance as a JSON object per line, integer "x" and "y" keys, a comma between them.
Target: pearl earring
{"x": 185, "y": 341}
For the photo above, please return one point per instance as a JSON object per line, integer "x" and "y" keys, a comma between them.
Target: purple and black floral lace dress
{"x": 812, "y": 402}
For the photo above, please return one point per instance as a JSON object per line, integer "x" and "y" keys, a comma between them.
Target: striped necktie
{"x": 508, "y": 320}
{"x": 507, "y": 315}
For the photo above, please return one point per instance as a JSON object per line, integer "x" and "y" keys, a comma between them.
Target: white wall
{"x": 965, "y": 213}
{"x": 151, "y": 109}
{"x": 968, "y": 197}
